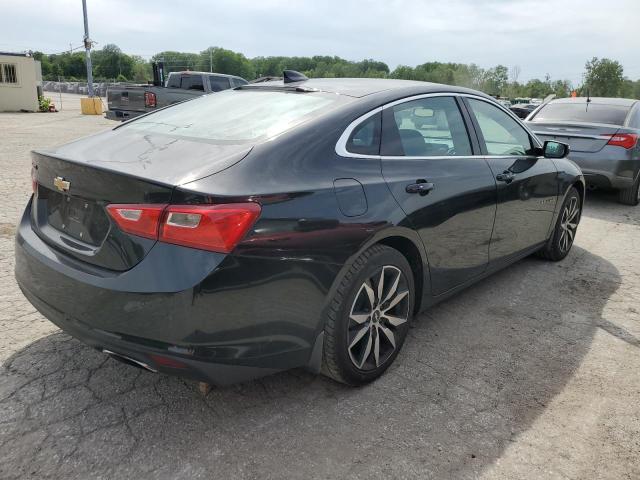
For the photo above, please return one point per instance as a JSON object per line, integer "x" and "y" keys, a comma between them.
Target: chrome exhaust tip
{"x": 129, "y": 360}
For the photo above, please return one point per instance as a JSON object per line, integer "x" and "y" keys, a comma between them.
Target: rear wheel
{"x": 368, "y": 318}
{"x": 631, "y": 195}
{"x": 565, "y": 230}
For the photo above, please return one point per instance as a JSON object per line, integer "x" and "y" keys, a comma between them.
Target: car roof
{"x": 360, "y": 87}
{"x": 623, "y": 102}
{"x": 209, "y": 74}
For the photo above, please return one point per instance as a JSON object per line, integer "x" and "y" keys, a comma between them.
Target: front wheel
{"x": 565, "y": 230}
{"x": 368, "y": 318}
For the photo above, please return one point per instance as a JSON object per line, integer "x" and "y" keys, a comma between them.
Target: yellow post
{"x": 91, "y": 106}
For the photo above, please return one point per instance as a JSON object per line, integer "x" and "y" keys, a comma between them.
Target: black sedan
{"x": 293, "y": 223}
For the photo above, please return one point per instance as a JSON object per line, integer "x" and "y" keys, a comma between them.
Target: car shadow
{"x": 475, "y": 372}
{"x": 603, "y": 205}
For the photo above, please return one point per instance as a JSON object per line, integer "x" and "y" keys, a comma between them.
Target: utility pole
{"x": 210, "y": 60}
{"x": 87, "y": 49}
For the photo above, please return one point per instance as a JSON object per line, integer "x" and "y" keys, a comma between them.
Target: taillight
{"x": 217, "y": 228}
{"x": 625, "y": 140}
{"x": 141, "y": 220}
{"x": 149, "y": 99}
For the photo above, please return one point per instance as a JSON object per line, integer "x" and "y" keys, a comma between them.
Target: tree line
{"x": 602, "y": 77}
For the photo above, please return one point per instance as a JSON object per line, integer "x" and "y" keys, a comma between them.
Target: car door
{"x": 527, "y": 183}
{"x": 447, "y": 192}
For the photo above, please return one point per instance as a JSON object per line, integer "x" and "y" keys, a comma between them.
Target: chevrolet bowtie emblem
{"x": 61, "y": 184}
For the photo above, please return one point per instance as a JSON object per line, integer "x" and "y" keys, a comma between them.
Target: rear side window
{"x": 582, "y": 112}
{"x": 238, "y": 82}
{"x": 502, "y": 134}
{"x": 218, "y": 84}
{"x": 237, "y": 116}
{"x": 365, "y": 138}
{"x": 192, "y": 82}
{"x": 173, "y": 81}
{"x": 425, "y": 127}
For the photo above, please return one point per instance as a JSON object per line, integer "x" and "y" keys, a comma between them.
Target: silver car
{"x": 603, "y": 134}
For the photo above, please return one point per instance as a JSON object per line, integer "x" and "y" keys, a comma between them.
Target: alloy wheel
{"x": 569, "y": 224}
{"x": 379, "y": 309}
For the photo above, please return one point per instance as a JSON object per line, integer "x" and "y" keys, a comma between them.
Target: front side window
{"x": 426, "y": 127}
{"x": 218, "y": 84}
{"x": 502, "y": 134}
{"x": 237, "y": 116}
{"x": 8, "y": 73}
{"x": 365, "y": 138}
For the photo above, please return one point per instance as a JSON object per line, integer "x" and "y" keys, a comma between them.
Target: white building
{"x": 20, "y": 82}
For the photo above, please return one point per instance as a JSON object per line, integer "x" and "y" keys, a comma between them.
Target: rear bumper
{"x": 216, "y": 315}
{"x": 607, "y": 172}
{"x": 122, "y": 115}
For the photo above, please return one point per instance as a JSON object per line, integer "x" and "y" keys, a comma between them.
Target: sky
{"x": 540, "y": 36}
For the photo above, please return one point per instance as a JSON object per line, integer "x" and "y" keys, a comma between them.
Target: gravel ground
{"x": 533, "y": 373}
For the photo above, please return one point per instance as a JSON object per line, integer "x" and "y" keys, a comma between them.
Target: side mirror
{"x": 553, "y": 149}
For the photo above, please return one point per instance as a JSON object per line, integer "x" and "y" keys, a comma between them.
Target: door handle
{"x": 421, "y": 186}
{"x": 506, "y": 176}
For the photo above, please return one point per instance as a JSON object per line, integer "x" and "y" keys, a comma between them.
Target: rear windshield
{"x": 237, "y": 116}
{"x": 582, "y": 112}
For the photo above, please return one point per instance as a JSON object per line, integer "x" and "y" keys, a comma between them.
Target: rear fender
{"x": 380, "y": 237}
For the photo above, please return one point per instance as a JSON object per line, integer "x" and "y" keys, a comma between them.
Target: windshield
{"x": 237, "y": 116}
{"x": 580, "y": 112}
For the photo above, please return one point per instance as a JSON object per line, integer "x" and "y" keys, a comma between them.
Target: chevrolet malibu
{"x": 603, "y": 135}
{"x": 291, "y": 223}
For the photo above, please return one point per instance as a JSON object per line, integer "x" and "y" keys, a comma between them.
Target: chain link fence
{"x": 63, "y": 86}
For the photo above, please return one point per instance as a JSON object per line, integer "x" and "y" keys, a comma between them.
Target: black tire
{"x": 353, "y": 301}
{"x": 556, "y": 248}
{"x": 631, "y": 195}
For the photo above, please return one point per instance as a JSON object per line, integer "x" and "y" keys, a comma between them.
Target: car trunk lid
{"x": 76, "y": 182}
{"x": 581, "y": 137}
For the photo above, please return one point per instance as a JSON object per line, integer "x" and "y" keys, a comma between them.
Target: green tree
{"x": 220, "y": 60}
{"x": 497, "y": 80}
{"x": 110, "y": 62}
{"x": 603, "y": 77}
{"x": 177, "y": 61}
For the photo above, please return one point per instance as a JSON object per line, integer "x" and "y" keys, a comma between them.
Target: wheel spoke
{"x": 359, "y": 317}
{"x": 361, "y": 333}
{"x": 395, "y": 321}
{"x": 396, "y": 300}
{"x": 367, "y": 351}
{"x": 381, "y": 285}
{"x": 393, "y": 289}
{"x": 370, "y": 295}
{"x": 573, "y": 215}
{"x": 376, "y": 348}
{"x": 389, "y": 334}
{"x": 570, "y": 233}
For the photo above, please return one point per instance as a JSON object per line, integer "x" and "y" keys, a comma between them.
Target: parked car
{"x": 128, "y": 101}
{"x": 603, "y": 134}
{"x": 522, "y": 110}
{"x": 287, "y": 224}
